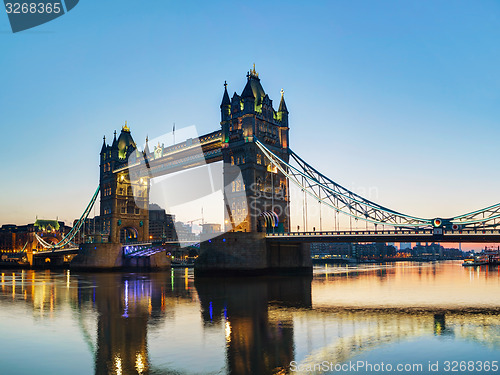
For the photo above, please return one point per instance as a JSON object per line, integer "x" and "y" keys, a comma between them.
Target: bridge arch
{"x": 129, "y": 234}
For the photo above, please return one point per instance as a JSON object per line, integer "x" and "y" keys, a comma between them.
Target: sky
{"x": 398, "y": 100}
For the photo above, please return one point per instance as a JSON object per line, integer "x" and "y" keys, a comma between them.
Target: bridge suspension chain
{"x": 337, "y": 197}
{"x": 76, "y": 228}
{"x": 484, "y": 218}
{"x": 344, "y": 201}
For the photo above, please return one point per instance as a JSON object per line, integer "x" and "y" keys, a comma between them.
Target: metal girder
{"x": 484, "y": 218}
{"x": 72, "y": 233}
{"x": 335, "y": 196}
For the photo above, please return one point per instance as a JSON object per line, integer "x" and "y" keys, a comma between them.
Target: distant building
{"x": 210, "y": 228}
{"x": 185, "y": 232}
{"x": 329, "y": 250}
{"x": 15, "y": 238}
{"x": 161, "y": 224}
{"x": 375, "y": 251}
{"x": 404, "y": 245}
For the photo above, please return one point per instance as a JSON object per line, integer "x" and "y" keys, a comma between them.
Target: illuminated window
{"x": 232, "y": 160}
{"x": 259, "y": 159}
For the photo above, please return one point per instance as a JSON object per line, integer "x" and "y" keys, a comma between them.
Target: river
{"x": 408, "y": 318}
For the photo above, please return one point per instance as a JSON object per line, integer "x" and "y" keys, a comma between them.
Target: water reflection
{"x": 169, "y": 323}
{"x": 257, "y": 342}
{"x": 124, "y": 304}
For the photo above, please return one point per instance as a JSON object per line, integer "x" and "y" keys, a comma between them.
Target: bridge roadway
{"x": 405, "y": 235}
{"x": 360, "y": 236}
{"x": 67, "y": 251}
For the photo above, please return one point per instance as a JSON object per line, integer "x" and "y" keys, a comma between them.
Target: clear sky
{"x": 399, "y": 99}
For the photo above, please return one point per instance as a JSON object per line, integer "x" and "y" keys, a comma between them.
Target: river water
{"x": 408, "y": 318}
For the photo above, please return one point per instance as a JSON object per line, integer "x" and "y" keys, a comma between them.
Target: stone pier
{"x": 243, "y": 253}
{"x": 109, "y": 256}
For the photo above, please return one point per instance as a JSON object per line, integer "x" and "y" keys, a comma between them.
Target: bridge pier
{"x": 245, "y": 253}
{"x": 47, "y": 261}
{"x": 109, "y": 256}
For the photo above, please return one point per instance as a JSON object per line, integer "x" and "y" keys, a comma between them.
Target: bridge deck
{"x": 69, "y": 251}
{"x": 430, "y": 235}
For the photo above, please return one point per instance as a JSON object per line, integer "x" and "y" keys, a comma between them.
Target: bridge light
{"x": 437, "y": 222}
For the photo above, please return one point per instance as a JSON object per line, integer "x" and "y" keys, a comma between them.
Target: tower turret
{"x": 114, "y": 148}
{"x": 104, "y": 147}
{"x": 282, "y": 110}
{"x": 248, "y": 97}
{"x": 146, "y": 151}
{"x": 225, "y": 106}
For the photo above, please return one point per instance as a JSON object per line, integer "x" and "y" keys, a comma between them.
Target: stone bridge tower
{"x": 124, "y": 201}
{"x": 264, "y": 189}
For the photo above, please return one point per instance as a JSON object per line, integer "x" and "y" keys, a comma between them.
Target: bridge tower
{"x": 124, "y": 201}
{"x": 244, "y": 118}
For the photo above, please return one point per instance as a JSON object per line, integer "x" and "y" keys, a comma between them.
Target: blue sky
{"x": 400, "y": 99}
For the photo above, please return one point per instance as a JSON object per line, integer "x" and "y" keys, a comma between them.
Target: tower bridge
{"x": 259, "y": 168}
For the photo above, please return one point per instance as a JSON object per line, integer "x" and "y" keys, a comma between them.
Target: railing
{"x": 385, "y": 232}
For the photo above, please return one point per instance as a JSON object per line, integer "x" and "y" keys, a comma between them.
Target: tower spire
{"x": 125, "y": 127}
{"x": 225, "y": 97}
{"x": 103, "y": 149}
{"x": 282, "y": 107}
{"x": 115, "y": 142}
{"x": 253, "y": 72}
{"x": 146, "y": 147}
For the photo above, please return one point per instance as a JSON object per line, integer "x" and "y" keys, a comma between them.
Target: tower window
{"x": 259, "y": 158}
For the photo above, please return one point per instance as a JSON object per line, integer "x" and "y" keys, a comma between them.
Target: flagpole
{"x": 173, "y": 132}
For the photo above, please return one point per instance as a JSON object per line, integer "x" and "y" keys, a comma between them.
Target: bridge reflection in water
{"x": 168, "y": 323}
